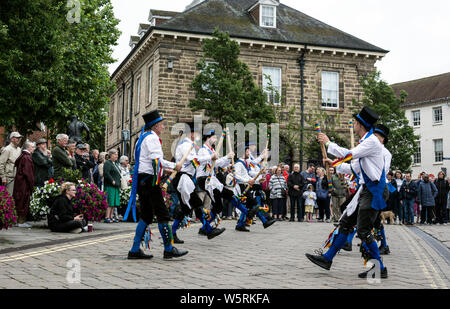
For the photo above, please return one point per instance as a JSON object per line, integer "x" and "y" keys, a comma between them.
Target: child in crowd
{"x": 310, "y": 201}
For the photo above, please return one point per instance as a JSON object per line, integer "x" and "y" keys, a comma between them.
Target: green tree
{"x": 54, "y": 68}
{"x": 378, "y": 95}
{"x": 225, "y": 88}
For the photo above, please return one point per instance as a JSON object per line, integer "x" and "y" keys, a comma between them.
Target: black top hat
{"x": 152, "y": 118}
{"x": 367, "y": 117}
{"x": 383, "y": 131}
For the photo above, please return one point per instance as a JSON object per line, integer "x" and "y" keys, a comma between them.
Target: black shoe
{"x": 242, "y": 229}
{"x": 215, "y": 232}
{"x": 292, "y": 220}
{"x": 252, "y": 212}
{"x": 384, "y": 250}
{"x": 347, "y": 247}
{"x": 174, "y": 253}
{"x": 202, "y": 232}
{"x": 383, "y": 274}
{"x": 176, "y": 240}
{"x": 319, "y": 260}
{"x": 140, "y": 255}
{"x": 269, "y": 223}
{"x": 300, "y": 220}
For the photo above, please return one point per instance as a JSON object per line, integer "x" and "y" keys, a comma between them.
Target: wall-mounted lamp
{"x": 170, "y": 63}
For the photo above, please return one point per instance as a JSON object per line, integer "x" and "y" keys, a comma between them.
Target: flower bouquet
{"x": 42, "y": 199}
{"x": 90, "y": 201}
{"x": 8, "y": 216}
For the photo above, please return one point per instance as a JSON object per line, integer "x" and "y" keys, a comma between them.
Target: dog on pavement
{"x": 387, "y": 214}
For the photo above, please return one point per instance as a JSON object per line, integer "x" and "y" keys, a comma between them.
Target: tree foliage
{"x": 381, "y": 98}
{"x": 225, "y": 88}
{"x": 52, "y": 68}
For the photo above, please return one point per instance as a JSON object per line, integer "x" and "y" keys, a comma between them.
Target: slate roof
{"x": 292, "y": 26}
{"x": 163, "y": 13}
{"x": 426, "y": 90}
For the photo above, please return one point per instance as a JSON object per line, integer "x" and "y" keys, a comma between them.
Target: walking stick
{"x": 174, "y": 174}
{"x": 324, "y": 155}
{"x": 219, "y": 147}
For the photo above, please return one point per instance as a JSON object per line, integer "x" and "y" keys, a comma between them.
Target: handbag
{"x": 123, "y": 180}
{"x": 283, "y": 192}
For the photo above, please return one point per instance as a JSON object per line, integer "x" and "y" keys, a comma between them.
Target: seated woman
{"x": 61, "y": 218}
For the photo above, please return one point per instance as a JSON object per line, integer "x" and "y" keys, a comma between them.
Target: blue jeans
{"x": 297, "y": 200}
{"x": 227, "y": 209}
{"x": 408, "y": 206}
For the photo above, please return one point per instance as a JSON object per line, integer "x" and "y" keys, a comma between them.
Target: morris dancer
{"x": 253, "y": 197}
{"x": 207, "y": 179}
{"x": 370, "y": 197}
{"x": 185, "y": 186}
{"x": 146, "y": 182}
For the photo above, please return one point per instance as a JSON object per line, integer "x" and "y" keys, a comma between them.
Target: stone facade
{"x": 171, "y": 87}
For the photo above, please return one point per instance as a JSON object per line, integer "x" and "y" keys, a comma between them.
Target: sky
{"x": 416, "y": 32}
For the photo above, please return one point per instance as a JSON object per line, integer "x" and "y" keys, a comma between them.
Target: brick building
{"x": 272, "y": 37}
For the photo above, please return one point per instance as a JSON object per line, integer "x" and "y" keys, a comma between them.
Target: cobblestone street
{"x": 262, "y": 259}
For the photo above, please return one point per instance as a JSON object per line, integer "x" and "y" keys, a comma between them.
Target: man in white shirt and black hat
{"x": 368, "y": 162}
{"x": 149, "y": 167}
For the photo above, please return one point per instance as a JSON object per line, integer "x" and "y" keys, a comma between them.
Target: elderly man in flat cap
{"x": 42, "y": 160}
{"x": 8, "y": 157}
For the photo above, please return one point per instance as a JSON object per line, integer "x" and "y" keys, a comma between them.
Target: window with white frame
{"x": 138, "y": 96}
{"x": 418, "y": 155}
{"x": 150, "y": 84}
{"x": 437, "y": 115}
{"x": 438, "y": 150}
{"x": 268, "y": 16}
{"x": 330, "y": 89}
{"x": 416, "y": 118}
{"x": 272, "y": 84}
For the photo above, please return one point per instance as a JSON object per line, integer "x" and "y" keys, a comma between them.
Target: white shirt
{"x": 369, "y": 152}
{"x": 387, "y": 161}
{"x": 151, "y": 149}
{"x": 241, "y": 174}
{"x": 188, "y": 167}
{"x": 205, "y": 167}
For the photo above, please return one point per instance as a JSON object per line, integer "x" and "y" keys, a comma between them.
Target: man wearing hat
{"x": 149, "y": 167}
{"x": 184, "y": 183}
{"x": 207, "y": 180}
{"x": 42, "y": 163}
{"x": 245, "y": 175}
{"x": 382, "y": 133}
{"x": 8, "y": 157}
{"x": 367, "y": 162}
{"x": 83, "y": 162}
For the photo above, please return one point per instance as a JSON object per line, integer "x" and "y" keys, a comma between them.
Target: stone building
{"x": 427, "y": 109}
{"x": 273, "y": 39}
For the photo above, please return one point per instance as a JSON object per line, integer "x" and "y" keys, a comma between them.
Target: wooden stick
{"x": 174, "y": 174}
{"x": 352, "y": 136}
